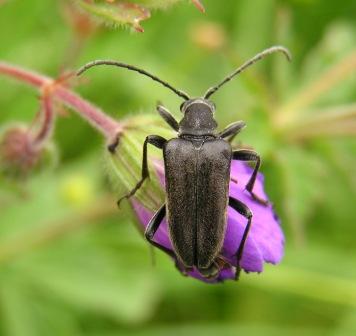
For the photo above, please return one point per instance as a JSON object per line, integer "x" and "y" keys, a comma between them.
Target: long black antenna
{"x": 131, "y": 67}
{"x": 244, "y": 66}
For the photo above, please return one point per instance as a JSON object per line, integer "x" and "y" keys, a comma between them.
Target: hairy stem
{"x": 95, "y": 116}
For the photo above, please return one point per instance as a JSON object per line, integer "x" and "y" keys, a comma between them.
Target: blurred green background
{"x": 72, "y": 264}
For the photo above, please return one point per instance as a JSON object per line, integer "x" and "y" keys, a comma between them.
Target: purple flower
{"x": 265, "y": 242}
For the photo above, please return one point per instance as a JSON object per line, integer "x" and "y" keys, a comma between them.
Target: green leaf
{"x": 42, "y": 245}
{"x": 348, "y": 324}
{"x": 296, "y": 179}
{"x": 315, "y": 272}
{"x": 17, "y": 319}
{"x": 94, "y": 280}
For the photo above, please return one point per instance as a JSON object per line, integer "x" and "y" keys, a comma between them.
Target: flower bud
{"x": 19, "y": 154}
{"x": 265, "y": 242}
{"x": 124, "y": 160}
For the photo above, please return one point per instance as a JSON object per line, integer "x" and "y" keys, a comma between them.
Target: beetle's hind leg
{"x": 243, "y": 210}
{"x": 156, "y": 141}
{"x": 249, "y": 155}
{"x": 168, "y": 118}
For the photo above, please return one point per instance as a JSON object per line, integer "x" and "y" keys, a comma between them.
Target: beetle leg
{"x": 151, "y": 230}
{"x": 153, "y": 226}
{"x": 243, "y": 210}
{"x": 156, "y": 141}
{"x": 249, "y": 155}
{"x": 168, "y": 118}
{"x": 232, "y": 130}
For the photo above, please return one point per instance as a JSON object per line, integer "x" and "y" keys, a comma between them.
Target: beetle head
{"x": 198, "y": 117}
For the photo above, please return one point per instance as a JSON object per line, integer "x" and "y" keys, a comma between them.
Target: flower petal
{"x": 265, "y": 242}
{"x": 265, "y": 228}
{"x": 252, "y": 259}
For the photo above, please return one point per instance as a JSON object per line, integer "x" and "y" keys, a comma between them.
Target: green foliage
{"x": 72, "y": 264}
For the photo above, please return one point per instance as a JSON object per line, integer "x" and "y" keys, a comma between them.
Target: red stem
{"x": 95, "y": 116}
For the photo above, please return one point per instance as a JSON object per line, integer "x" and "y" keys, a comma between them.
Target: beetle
{"x": 197, "y": 174}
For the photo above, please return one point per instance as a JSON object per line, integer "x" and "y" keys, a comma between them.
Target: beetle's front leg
{"x": 232, "y": 130}
{"x": 249, "y": 155}
{"x": 243, "y": 210}
{"x": 156, "y": 141}
{"x": 168, "y": 118}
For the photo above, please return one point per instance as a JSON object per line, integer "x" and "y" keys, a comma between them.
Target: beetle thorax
{"x": 198, "y": 118}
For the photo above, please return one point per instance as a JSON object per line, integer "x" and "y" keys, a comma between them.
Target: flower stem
{"x": 95, "y": 116}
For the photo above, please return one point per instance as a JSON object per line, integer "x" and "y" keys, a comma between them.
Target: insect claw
{"x": 120, "y": 200}
{"x": 259, "y": 199}
{"x": 232, "y": 179}
{"x": 132, "y": 192}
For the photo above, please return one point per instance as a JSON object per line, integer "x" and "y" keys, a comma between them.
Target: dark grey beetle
{"x": 197, "y": 171}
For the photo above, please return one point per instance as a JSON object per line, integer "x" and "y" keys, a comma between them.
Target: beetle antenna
{"x": 133, "y": 68}
{"x": 244, "y": 66}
